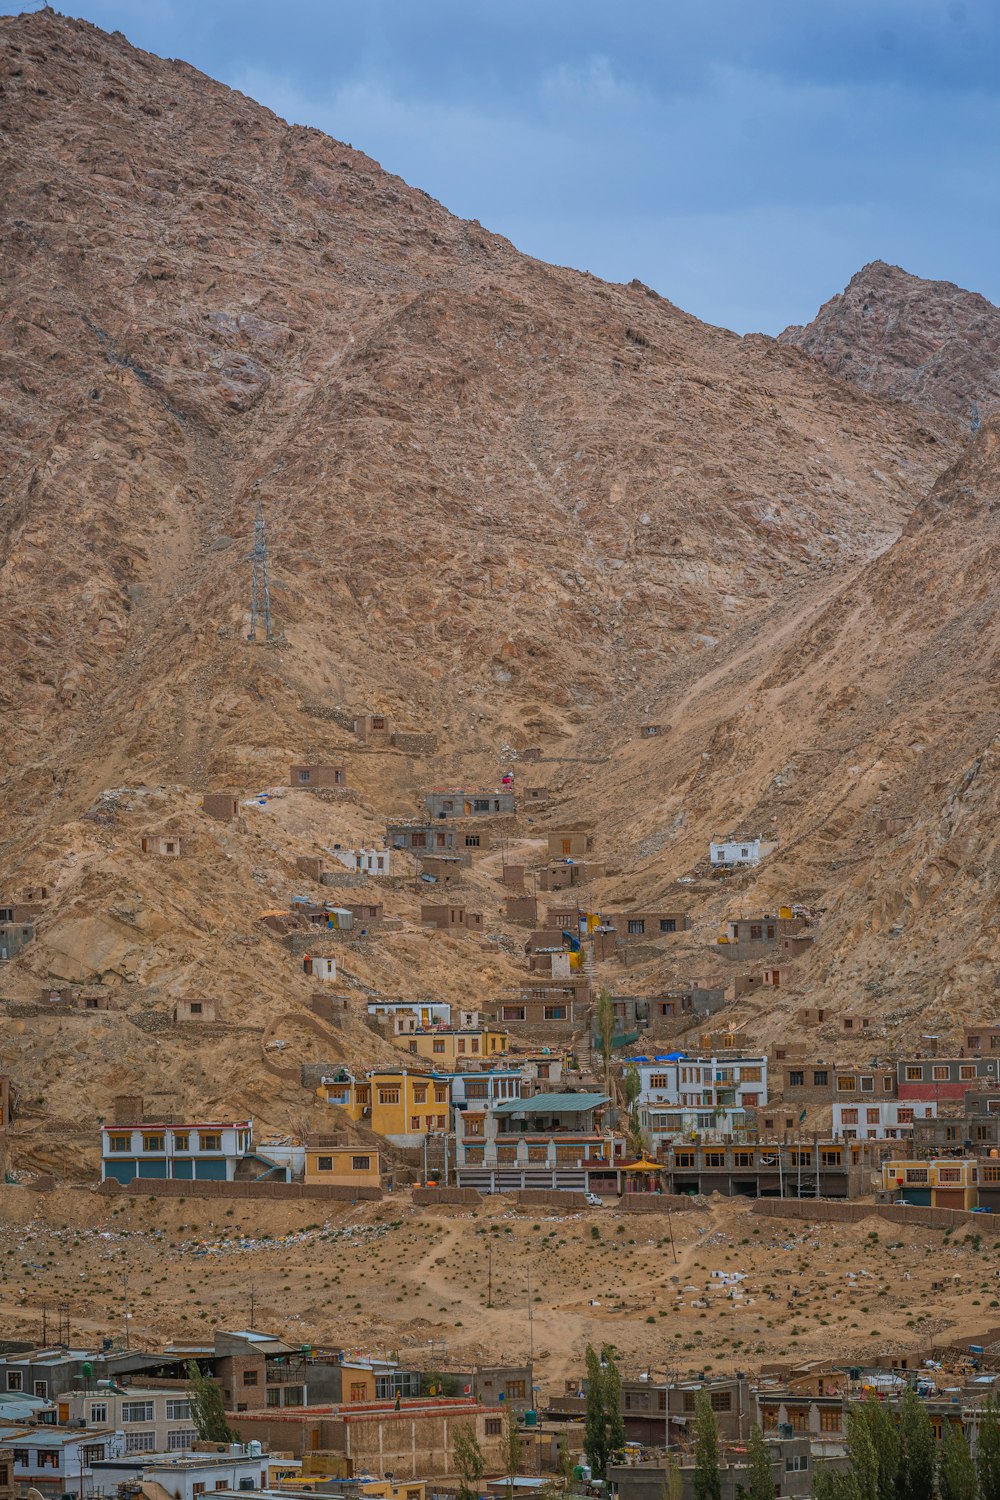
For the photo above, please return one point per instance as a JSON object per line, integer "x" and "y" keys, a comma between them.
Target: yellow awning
{"x": 642, "y": 1166}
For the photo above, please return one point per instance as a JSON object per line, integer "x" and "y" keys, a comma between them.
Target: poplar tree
{"x": 988, "y": 1453}
{"x": 760, "y": 1481}
{"x": 956, "y": 1474}
{"x": 707, "y": 1475}
{"x": 917, "y": 1450}
{"x": 468, "y": 1459}
{"x": 207, "y": 1410}
{"x": 595, "y": 1423}
{"x": 613, "y": 1415}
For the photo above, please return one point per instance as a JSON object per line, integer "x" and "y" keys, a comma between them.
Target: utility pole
{"x": 253, "y": 1304}
{"x": 260, "y": 576}
{"x": 489, "y": 1275}
{"x": 125, "y": 1291}
{"x": 531, "y": 1322}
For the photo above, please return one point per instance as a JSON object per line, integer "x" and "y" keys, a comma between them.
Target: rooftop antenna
{"x": 975, "y": 424}
{"x": 259, "y": 559}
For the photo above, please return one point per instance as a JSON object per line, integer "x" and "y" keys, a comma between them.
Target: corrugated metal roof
{"x": 554, "y": 1104}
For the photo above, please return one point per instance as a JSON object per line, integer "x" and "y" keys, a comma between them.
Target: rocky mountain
{"x": 508, "y": 504}
{"x": 927, "y": 343}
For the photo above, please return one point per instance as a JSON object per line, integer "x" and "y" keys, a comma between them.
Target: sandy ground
{"x": 391, "y": 1277}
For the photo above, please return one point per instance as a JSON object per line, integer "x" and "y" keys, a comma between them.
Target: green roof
{"x": 552, "y": 1104}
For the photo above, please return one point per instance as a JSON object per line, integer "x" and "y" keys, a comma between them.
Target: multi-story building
{"x": 55, "y": 1461}
{"x": 455, "y": 802}
{"x": 548, "y": 1141}
{"x": 946, "y": 1183}
{"x": 181, "y": 1476}
{"x": 881, "y": 1120}
{"x": 427, "y": 1012}
{"x": 205, "y": 1150}
{"x": 941, "y": 1078}
{"x": 785, "y": 1169}
{"x": 723, "y": 1082}
{"x": 486, "y": 1086}
{"x": 152, "y": 1419}
{"x": 404, "y": 1106}
{"x": 330, "y": 1163}
{"x": 446, "y": 1046}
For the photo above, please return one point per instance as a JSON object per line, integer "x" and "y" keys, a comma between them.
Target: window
{"x": 15, "y": 1380}
{"x": 21, "y": 1457}
{"x": 796, "y": 1080}
{"x": 848, "y": 1117}
{"x": 751, "y": 1075}
{"x": 941, "y": 1073}
{"x": 272, "y": 1396}
{"x": 414, "y": 1122}
{"x": 437, "y": 1045}
{"x": 120, "y": 1143}
{"x": 93, "y": 1453}
{"x": 658, "y": 1081}
{"x": 324, "y": 1164}
{"x": 873, "y": 1116}
{"x": 668, "y": 924}
{"x": 797, "y": 1464}
{"x": 904, "y": 1116}
{"x": 180, "y": 1411}
{"x": 181, "y": 1437}
{"x": 40, "y": 1388}
{"x": 990, "y": 1173}
{"x": 305, "y": 776}
{"x": 636, "y": 926}
{"x": 140, "y": 1442}
{"x": 196, "y": 1007}
{"x": 197, "y": 1489}
{"x": 441, "y": 1122}
{"x": 846, "y": 1084}
{"x": 887, "y": 1085}
{"x": 756, "y": 932}
{"x": 152, "y": 1142}
{"x": 480, "y": 804}
{"x": 720, "y": 1400}
{"x": 689, "y": 1400}
{"x": 821, "y": 1078}
{"x": 914, "y": 1073}
{"x": 388, "y": 1096}
{"x": 211, "y": 1141}
{"x": 419, "y": 1092}
{"x": 494, "y": 1426}
{"x": 742, "y": 1158}
{"x": 98, "y": 1412}
{"x": 949, "y": 1174}
{"x": 440, "y": 1094}
{"x": 46, "y": 1458}
{"x": 554, "y": 1013}
{"x": 360, "y": 1163}
{"x": 515, "y": 1390}
{"x": 867, "y": 1084}
{"x": 967, "y": 1071}
{"x": 916, "y": 1174}
{"x": 181, "y": 1140}
{"x": 715, "y": 1158}
{"x": 249, "y": 1378}
{"x": 830, "y": 1158}
{"x": 137, "y": 1411}
{"x": 683, "y": 1158}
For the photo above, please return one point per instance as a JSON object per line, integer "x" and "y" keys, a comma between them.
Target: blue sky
{"x": 743, "y": 157}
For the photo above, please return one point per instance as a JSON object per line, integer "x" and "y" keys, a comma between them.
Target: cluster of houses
{"x": 81, "y": 1421}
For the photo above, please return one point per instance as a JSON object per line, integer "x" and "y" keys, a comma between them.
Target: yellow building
{"x": 936, "y": 1183}
{"x": 402, "y": 1105}
{"x": 342, "y": 1166}
{"x": 444, "y": 1046}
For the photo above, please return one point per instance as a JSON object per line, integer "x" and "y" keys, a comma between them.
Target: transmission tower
{"x": 260, "y": 579}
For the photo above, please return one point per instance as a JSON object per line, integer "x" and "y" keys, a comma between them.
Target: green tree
{"x": 510, "y": 1448}
{"x": 830, "y": 1484}
{"x": 988, "y": 1453}
{"x": 613, "y": 1415}
{"x": 760, "y": 1480}
{"x": 861, "y": 1453}
{"x": 673, "y": 1479}
{"x": 917, "y": 1450}
{"x": 595, "y": 1423}
{"x": 468, "y": 1459}
{"x": 879, "y": 1420}
{"x": 207, "y": 1410}
{"x": 956, "y": 1469}
{"x": 632, "y": 1086}
{"x": 707, "y": 1478}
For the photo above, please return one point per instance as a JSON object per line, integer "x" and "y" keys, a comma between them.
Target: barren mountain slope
{"x": 506, "y": 502}
{"x": 928, "y": 343}
{"x": 864, "y": 734}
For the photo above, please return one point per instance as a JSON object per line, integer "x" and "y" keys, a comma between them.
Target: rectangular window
{"x": 211, "y": 1142}
{"x": 120, "y": 1143}
{"x": 797, "y": 1464}
{"x": 388, "y": 1096}
{"x": 949, "y": 1174}
{"x": 904, "y": 1116}
{"x": 472, "y": 841}
{"x": 437, "y": 1046}
{"x": 848, "y": 1117}
{"x": 324, "y": 1163}
{"x": 98, "y": 1412}
{"x": 668, "y": 924}
{"x": 46, "y": 1458}
{"x": 721, "y": 1400}
{"x": 636, "y": 926}
{"x": 40, "y": 1388}
{"x": 140, "y": 1442}
{"x": 821, "y": 1078}
{"x": 360, "y": 1163}
{"x": 715, "y": 1158}
{"x": 914, "y": 1073}
{"x": 179, "y": 1411}
{"x": 796, "y": 1080}
{"x": 441, "y": 1122}
{"x": 683, "y": 1159}
{"x": 180, "y": 1438}
{"x": 249, "y": 1378}
{"x": 515, "y": 1390}
{"x": 181, "y": 1139}
{"x": 967, "y": 1071}
{"x": 137, "y": 1411}
{"x": 867, "y": 1084}
{"x": 916, "y": 1175}
{"x": 93, "y": 1454}
{"x": 846, "y": 1084}
{"x": 15, "y": 1380}
{"x": 742, "y": 1158}
{"x": 751, "y": 1075}
{"x": 830, "y": 1158}
{"x": 941, "y": 1073}
{"x": 873, "y": 1116}
{"x": 152, "y": 1142}
{"x": 494, "y": 1426}
{"x": 658, "y": 1081}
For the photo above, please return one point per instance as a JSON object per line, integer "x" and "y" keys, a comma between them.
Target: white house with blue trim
{"x": 206, "y": 1151}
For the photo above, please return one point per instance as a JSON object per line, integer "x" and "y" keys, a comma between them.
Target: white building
{"x": 664, "y": 1124}
{"x": 728, "y": 852}
{"x": 53, "y": 1461}
{"x": 189, "y": 1475}
{"x": 206, "y": 1151}
{"x": 882, "y": 1120}
{"x": 703, "y": 1083}
{"x": 364, "y": 861}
